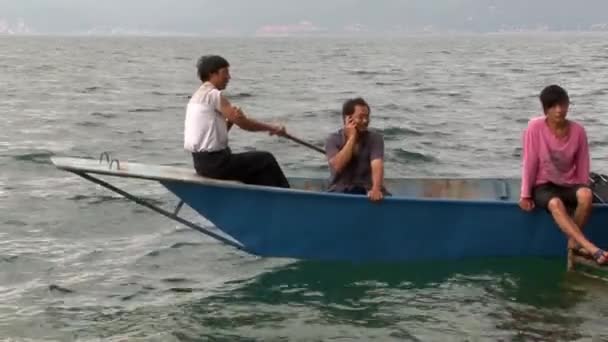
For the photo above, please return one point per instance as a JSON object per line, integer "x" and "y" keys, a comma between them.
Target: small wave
{"x": 37, "y": 158}
{"x": 90, "y": 89}
{"x": 104, "y": 115}
{"x": 394, "y": 107}
{"x": 129, "y": 297}
{"x": 592, "y": 121}
{"x": 431, "y": 106}
{"x": 176, "y": 280}
{"x": 500, "y": 64}
{"x": 181, "y": 290}
{"x": 133, "y": 295}
{"x": 15, "y": 223}
{"x": 179, "y": 95}
{"x": 480, "y": 74}
{"x": 309, "y": 114}
{"x": 368, "y": 72}
{"x": 598, "y": 92}
{"x": 517, "y": 152}
{"x": 600, "y": 59}
{"x": 381, "y": 84}
{"x": 185, "y": 244}
{"x": 453, "y": 94}
{"x": 425, "y": 90}
{"x": 400, "y": 131}
{"x": 147, "y": 141}
{"x": 177, "y": 245}
{"x": 362, "y": 72}
{"x": 573, "y": 66}
{"x": 402, "y": 154}
{"x": 8, "y": 258}
{"x": 596, "y": 143}
{"x": 238, "y": 96}
{"x": 145, "y": 110}
{"x": 132, "y": 132}
{"x": 58, "y": 288}
{"x": 174, "y": 108}
{"x": 299, "y": 97}
{"x": 47, "y": 68}
{"x": 153, "y": 254}
{"x": 322, "y": 113}
{"x": 333, "y": 54}
{"x": 89, "y": 124}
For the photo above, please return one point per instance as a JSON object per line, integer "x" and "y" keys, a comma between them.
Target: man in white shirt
{"x": 209, "y": 117}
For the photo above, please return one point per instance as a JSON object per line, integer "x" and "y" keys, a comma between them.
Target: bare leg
{"x": 584, "y": 198}
{"x": 567, "y": 225}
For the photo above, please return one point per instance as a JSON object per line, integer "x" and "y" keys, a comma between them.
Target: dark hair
{"x": 348, "y": 108}
{"x": 552, "y": 95}
{"x": 209, "y": 64}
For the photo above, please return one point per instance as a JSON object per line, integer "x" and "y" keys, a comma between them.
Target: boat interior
{"x": 441, "y": 188}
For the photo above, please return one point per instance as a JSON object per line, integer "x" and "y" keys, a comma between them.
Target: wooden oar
{"x": 302, "y": 142}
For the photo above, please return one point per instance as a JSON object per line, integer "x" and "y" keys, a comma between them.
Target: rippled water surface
{"x": 78, "y": 262}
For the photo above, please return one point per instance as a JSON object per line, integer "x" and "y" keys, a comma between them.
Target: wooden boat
{"x": 424, "y": 219}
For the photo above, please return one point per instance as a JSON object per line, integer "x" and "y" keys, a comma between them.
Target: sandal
{"x": 598, "y": 255}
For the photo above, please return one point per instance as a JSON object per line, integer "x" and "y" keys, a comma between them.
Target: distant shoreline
{"x": 299, "y": 35}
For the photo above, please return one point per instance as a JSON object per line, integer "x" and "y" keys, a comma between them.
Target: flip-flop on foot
{"x": 600, "y": 257}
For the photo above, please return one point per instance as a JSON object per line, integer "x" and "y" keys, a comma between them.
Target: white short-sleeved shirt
{"x": 205, "y": 126}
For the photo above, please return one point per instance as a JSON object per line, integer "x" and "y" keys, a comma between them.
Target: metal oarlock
{"x": 107, "y": 154}
{"x": 117, "y": 164}
{"x": 110, "y": 162}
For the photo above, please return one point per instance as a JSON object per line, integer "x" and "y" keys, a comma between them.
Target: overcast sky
{"x": 249, "y": 16}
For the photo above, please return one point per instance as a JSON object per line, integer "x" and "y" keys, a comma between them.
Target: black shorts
{"x": 543, "y": 193}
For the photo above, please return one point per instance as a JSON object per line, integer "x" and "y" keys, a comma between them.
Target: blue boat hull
{"x": 405, "y": 227}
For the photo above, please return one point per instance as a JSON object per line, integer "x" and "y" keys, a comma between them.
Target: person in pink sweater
{"x": 555, "y": 171}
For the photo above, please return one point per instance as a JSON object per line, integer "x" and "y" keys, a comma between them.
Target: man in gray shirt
{"x": 356, "y": 154}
